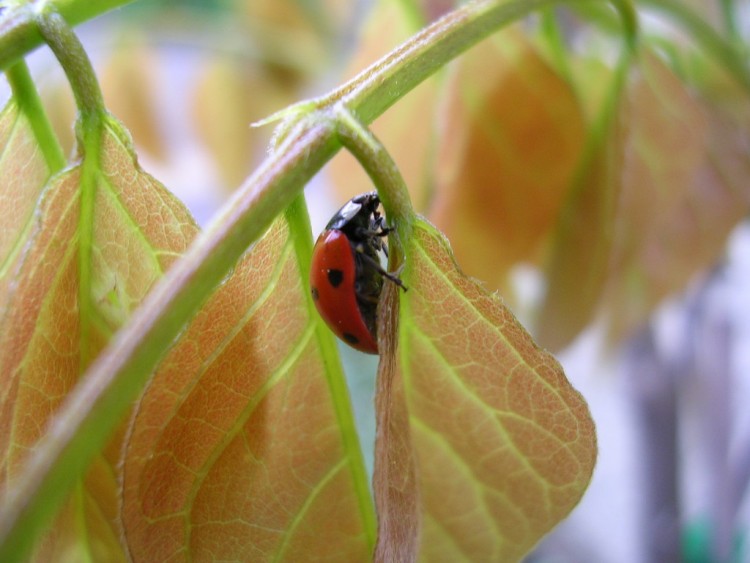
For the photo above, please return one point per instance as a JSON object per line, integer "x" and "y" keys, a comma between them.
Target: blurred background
{"x": 605, "y": 199}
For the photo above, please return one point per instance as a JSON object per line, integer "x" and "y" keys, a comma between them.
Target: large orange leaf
{"x": 684, "y": 188}
{"x": 504, "y": 446}
{"x": 242, "y": 447}
{"x": 511, "y": 137}
{"x": 80, "y": 277}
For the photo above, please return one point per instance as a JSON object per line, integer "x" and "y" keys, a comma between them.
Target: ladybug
{"x": 346, "y": 277}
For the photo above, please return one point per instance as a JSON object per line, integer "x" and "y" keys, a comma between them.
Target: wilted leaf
{"x": 394, "y": 479}
{"x": 53, "y": 328}
{"x": 24, "y": 172}
{"x": 504, "y": 445}
{"x": 242, "y": 447}
{"x": 511, "y": 137}
{"x": 407, "y": 129}
{"x": 684, "y": 189}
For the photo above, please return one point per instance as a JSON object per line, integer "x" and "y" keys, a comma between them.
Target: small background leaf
{"x": 130, "y": 83}
{"x": 238, "y": 449}
{"x": 684, "y": 189}
{"x": 579, "y": 254}
{"x": 512, "y": 136}
{"x": 505, "y": 447}
{"x": 230, "y": 95}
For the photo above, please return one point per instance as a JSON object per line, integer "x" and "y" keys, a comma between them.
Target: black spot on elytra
{"x": 314, "y": 291}
{"x": 350, "y": 338}
{"x": 335, "y": 277}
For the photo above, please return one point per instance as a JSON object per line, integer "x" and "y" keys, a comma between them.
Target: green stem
{"x": 383, "y": 172}
{"x": 90, "y": 413}
{"x": 75, "y": 62}
{"x": 723, "y": 51}
{"x": 550, "y": 28}
{"x": 730, "y": 21}
{"x": 92, "y": 113}
{"x": 19, "y": 34}
{"x": 30, "y": 105}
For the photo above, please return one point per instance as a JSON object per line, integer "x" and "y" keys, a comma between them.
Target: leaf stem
{"x": 76, "y": 64}
{"x": 30, "y": 105}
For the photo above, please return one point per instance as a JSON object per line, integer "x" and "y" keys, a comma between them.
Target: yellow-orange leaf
{"x": 684, "y": 188}
{"x": 504, "y": 446}
{"x": 236, "y": 451}
{"x": 136, "y": 230}
{"x": 23, "y": 172}
{"x": 510, "y": 139}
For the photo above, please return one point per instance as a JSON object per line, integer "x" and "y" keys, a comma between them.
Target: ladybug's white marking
{"x": 349, "y": 211}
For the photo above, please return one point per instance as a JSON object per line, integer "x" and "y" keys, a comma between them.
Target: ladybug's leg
{"x": 376, "y": 265}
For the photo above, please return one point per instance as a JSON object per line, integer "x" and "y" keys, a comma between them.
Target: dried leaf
{"x": 53, "y": 328}
{"x": 238, "y": 449}
{"x": 504, "y": 446}
{"x": 394, "y": 478}
{"x": 684, "y": 189}
{"x": 512, "y": 136}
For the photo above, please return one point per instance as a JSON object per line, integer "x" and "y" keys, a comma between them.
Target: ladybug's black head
{"x": 356, "y": 214}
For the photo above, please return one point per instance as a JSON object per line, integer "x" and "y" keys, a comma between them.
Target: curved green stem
{"x": 75, "y": 62}
{"x": 383, "y": 172}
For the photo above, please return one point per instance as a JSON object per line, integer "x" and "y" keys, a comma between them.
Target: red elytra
{"x": 346, "y": 277}
{"x": 332, "y": 280}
